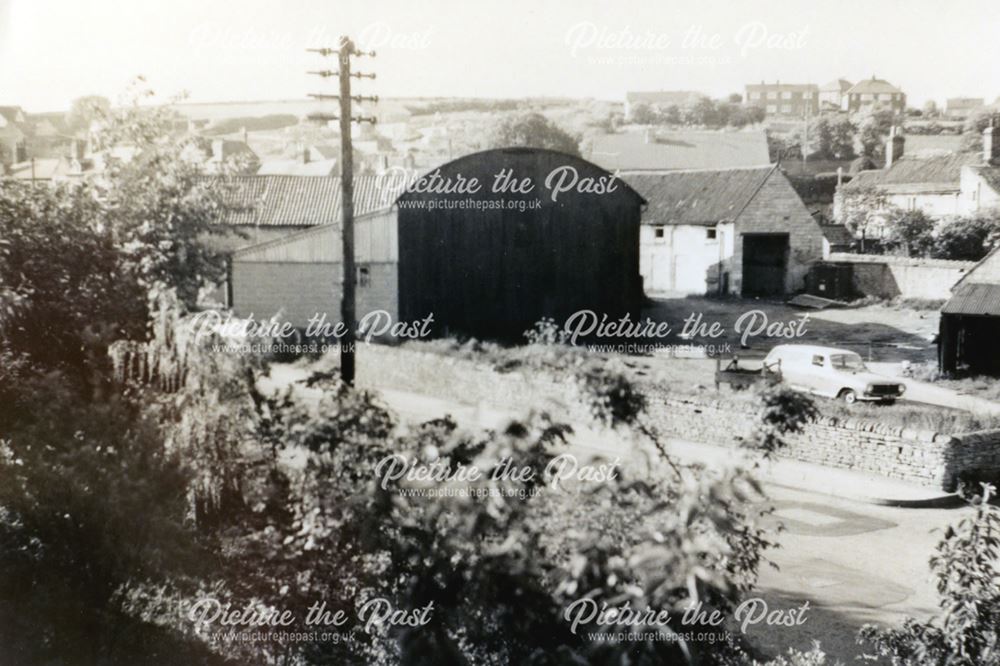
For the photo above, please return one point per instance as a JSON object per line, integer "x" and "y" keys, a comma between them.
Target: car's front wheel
{"x": 848, "y": 396}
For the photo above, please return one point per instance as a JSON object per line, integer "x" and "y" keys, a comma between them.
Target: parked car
{"x": 834, "y": 373}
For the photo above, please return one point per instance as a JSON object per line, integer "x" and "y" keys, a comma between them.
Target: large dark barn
{"x": 472, "y": 244}
{"x": 495, "y": 269}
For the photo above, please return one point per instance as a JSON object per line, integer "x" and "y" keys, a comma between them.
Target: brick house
{"x": 871, "y": 93}
{"x": 795, "y": 100}
{"x": 737, "y": 231}
{"x": 831, "y": 95}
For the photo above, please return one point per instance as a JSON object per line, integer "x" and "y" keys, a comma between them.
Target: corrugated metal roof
{"x": 703, "y": 197}
{"x": 679, "y": 150}
{"x": 974, "y": 299}
{"x": 304, "y": 201}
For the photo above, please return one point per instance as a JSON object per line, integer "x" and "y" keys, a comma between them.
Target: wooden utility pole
{"x": 348, "y": 312}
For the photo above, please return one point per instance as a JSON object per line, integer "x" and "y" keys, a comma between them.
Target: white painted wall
{"x": 681, "y": 260}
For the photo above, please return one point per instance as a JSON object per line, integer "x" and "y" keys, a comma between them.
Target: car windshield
{"x": 851, "y": 362}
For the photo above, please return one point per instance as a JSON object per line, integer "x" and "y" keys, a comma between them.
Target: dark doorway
{"x": 765, "y": 261}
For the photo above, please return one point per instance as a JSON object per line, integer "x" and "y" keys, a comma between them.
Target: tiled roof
{"x": 873, "y": 85}
{"x": 703, "y": 197}
{"x": 303, "y": 200}
{"x": 918, "y": 173}
{"x": 836, "y": 233}
{"x": 679, "y": 150}
{"x": 974, "y": 299}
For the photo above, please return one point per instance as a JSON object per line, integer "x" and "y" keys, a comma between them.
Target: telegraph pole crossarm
{"x": 344, "y": 74}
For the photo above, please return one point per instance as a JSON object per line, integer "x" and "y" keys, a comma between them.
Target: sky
{"x": 222, "y": 50}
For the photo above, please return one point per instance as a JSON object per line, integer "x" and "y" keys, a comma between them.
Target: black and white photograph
{"x": 527, "y": 333}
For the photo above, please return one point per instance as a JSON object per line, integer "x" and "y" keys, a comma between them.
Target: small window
{"x": 710, "y": 234}
{"x": 364, "y": 276}
{"x": 818, "y": 360}
{"x": 658, "y": 232}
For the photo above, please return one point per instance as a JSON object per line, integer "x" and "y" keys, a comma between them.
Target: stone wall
{"x": 903, "y": 277}
{"x": 921, "y": 457}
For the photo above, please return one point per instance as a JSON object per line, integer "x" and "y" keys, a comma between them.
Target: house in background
{"x": 970, "y": 321}
{"x": 796, "y": 100}
{"x": 724, "y": 231}
{"x": 489, "y": 270}
{"x": 873, "y": 92}
{"x": 660, "y": 100}
{"x": 963, "y": 107}
{"x": 679, "y": 150}
{"x": 941, "y": 185}
{"x": 831, "y": 95}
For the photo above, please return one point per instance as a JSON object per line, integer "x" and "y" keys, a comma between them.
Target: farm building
{"x": 970, "y": 321}
{"x": 733, "y": 231}
{"x": 482, "y": 262}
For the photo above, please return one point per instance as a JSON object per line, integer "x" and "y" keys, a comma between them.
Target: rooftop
{"x": 920, "y": 172}
{"x": 679, "y": 150}
{"x": 303, "y": 200}
{"x": 701, "y": 197}
{"x": 873, "y": 85}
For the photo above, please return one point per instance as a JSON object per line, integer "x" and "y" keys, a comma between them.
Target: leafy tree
{"x": 820, "y": 138}
{"x": 873, "y": 128}
{"x": 972, "y": 129}
{"x": 909, "y": 233}
{"x": 862, "y": 208}
{"x": 84, "y": 111}
{"x": 930, "y": 109}
{"x": 536, "y": 131}
{"x": 842, "y": 138}
{"x": 643, "y": 114}
{"x": 967, "y": 238}
{"x": 966, "y": 631}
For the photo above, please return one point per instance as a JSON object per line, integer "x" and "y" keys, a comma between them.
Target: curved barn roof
{"x": 497, "y": 155}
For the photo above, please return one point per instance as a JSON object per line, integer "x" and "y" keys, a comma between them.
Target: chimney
{"x": 991, "y": 147}
{"x": 894, "y": 146}
{"x": 305, "y": 155}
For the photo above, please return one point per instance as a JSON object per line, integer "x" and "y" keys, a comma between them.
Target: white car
{"x": 834, "y": 373}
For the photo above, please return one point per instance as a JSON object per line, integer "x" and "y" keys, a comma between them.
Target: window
{"x": 807, "y": 95}
{"x": 755, "y": 95}
{"x": 885, "y": 96}
{"x": 771, "y": 108}
{"x": 658, "y": 231}
{"x": 364, "y": 277}
{"x": 786, "y": 108}
{"x": 818, "y": 360}
{"x": 710, "y": 234}
{"x": 867, "y": 97}
{"x": 771, "y": 94}
{"x": 786, "y": 94}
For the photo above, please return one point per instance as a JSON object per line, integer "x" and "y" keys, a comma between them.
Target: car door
{"x": 818, "y": 374}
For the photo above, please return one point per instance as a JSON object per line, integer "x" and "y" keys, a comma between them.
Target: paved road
{"x": 853, "y": 562}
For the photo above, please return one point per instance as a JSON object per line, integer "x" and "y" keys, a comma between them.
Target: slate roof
{"x": 303, "y": 201}
{"x": 679, "y": 150}
{"x": 702, "y": 198}
{"x": 974, "y": 299}
{"x": 911, "y": 173}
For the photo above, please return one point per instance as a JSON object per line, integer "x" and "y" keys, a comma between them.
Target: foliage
{"x": 862, "y": 207}
{"x": 536, "y": 131}
{"x": 829, "y": 137}
{"x": 909, "y": 233}
{"x": 783, "y": 411}
{"x": 972, "y": 129}
{"x": 873, "y": 128}
{"x": 85, "y": 111}
{"x": 701, "y": 112}
{"x": 967, "y": 238}
{"x": 966, "y": 631}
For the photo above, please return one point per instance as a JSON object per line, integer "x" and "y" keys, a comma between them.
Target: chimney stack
{"x": 894, "y": 146}
{"x": 991, "y": 147}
